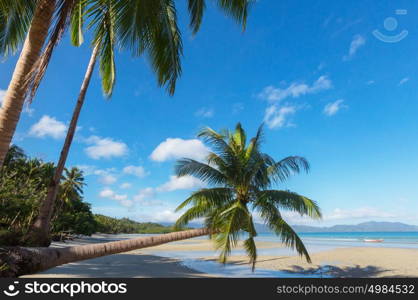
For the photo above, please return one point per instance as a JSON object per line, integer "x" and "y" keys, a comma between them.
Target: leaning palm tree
{"x": 142, "y": 26}
{"x": 241, "y": 176}
{"x": 242, "y": 179}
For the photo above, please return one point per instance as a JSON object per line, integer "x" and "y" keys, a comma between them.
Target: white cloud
{"x": 403, "y": 81}
{"x": 357, "y": 42}
{"x": 370, "y": 82}
{"x": 144, "y": 193}
{"x": 358, "y": 213}
{"x": 161, "y": 216}
{"x": 48, "y": 127}
{"x": 277, "y": 117}
{"x": 237, "y": 108}
{"x": 87, "y": 169}
{"x": 2, "y": 94}
{"x": 145, "y": 197}
{"x": 105, "y": 148}
{"x": 106, "y": 193}
{"x": 174, "y": 148}
{"x": 125, "y": 185}
{"x": 295, "y": 90}
{"x": 106, "y": 177}
{"x": 122, "y": 199}
{"x": 205, "y": 112}
{"x": 333, "y": 107}
{"x": 135, "y": 170}
{"x": 181, "y": 183}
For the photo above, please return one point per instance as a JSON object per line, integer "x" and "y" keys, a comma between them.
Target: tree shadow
{"x": 122, "y": 266}
{"x": 341, "y": 272}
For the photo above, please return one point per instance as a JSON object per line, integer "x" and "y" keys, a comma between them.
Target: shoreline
{"x": 195, "y": 258}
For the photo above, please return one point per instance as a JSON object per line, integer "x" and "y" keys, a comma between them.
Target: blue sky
{"x": 313, "y": 71}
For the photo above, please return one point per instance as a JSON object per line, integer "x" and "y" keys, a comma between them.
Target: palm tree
{"x": 242, "y": 178}
{"x": 20, "y": 18}
{"x": 155, "y": 31}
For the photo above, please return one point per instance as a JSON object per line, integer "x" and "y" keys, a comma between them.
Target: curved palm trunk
{"x": 21, "y": 261}
{"x": 15, "y": 96}
{"x": 39, "y": 233}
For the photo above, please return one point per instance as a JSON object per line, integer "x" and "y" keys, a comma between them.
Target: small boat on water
{"x": 373, "y": 241}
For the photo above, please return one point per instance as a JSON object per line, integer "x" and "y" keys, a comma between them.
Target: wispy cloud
{"x": 137, "y": 171}
{"x": 205, "y": 112}
{"x": 181, "y": 183}
{"x": 403, "y": 81}
{"x": 121, "y": 199}
{"x": 357, "y": 42}
{"x": 278, "y": 116}
{"x": 174, "y": 148}
{"x": 125, "y": 185}
{"x": 358, "y": 213}
{"x": 237, "y": 108}
{"x": 105, "y": 176}
{"x": 105, "y": 148}
{"x": 48, "y": 127}
{"x": 333, "y": 107}
{"x": 295, "y": 90}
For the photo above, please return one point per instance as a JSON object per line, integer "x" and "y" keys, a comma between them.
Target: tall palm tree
{"x": 20, "y": 18}
{"x": 242, "y": 178}
{"x": 32, "y": 18}
{"x": 142, "y": 26}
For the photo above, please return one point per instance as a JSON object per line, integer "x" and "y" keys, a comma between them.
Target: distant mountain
{"x": 362, "y": 227}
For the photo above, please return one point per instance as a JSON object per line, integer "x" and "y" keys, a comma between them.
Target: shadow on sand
{"x": 122, "y": 266}
{"x": 342, "y": 272}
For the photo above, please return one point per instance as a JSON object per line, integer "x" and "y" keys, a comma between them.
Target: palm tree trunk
{"x": 15, "y": 96}
{"x": 21, "y": 261}
{"x": 39, "y": 233}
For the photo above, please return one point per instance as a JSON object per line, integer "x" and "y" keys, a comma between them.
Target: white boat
{"x": 373, "y": 241}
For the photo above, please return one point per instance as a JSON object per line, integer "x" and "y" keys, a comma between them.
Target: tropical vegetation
{"x": 23, "y": 185}
{"x": 107, "y": 224}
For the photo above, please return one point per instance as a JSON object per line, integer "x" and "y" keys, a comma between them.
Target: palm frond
{"x": 77, "y": 22}
{"x": 203, "y": 171}
{"x": 61, "y": 20}
{"x": 274, "y": 220}
{"x": 192, "y": 213}
{"x": 230, "y": 224}
{"x": 103, "y": 18}
{"x": 213, "y": 197}
{"x": 283, "y": 169}
{"x": 196, "y": 10}
{"x": 251, "y": 250}
{"x": 166, "y": 47}
{"x": 238, "y": 9}
{"x": 291, "y": 201}
{"x": 15, "y": 20}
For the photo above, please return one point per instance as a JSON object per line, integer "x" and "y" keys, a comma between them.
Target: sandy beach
{"x": 339, "y": 262}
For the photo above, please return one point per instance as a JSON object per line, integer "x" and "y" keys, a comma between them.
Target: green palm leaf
{"x": 241, "y": 176}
